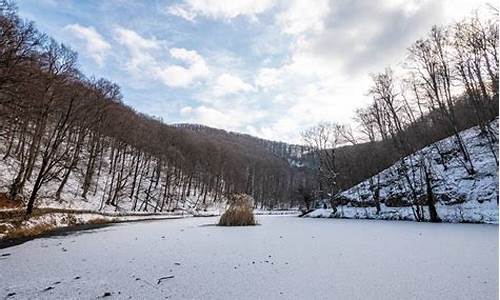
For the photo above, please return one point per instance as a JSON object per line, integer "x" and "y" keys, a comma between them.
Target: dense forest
{"x": 61, "y": 130}
{"x": 57, "y": 123}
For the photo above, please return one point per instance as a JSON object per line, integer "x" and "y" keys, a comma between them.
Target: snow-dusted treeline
{"x": 459, "y": 196}
{"x": 65, "y": 138}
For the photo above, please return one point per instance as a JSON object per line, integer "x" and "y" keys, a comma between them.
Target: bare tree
{"x": 324, "y": 139}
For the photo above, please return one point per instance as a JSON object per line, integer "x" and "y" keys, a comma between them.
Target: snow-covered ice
{"x": 284, "y": 258}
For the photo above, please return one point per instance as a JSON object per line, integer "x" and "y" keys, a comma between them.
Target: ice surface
{"x": 284, "y": 258}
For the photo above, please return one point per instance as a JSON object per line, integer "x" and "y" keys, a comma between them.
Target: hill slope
{"x": 292, "y": 153}
{"x": 185, "y": 186}
{"x": 460, "y": 197}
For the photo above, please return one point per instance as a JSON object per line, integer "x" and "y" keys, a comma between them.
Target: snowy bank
{"x": 460, "y": 197}
{"x": 42, "y": 222}
{"x": 14, "y": 225}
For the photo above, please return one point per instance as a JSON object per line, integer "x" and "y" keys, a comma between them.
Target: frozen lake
{"x": 284, "y": 258}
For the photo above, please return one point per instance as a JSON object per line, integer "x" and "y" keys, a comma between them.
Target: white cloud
{"x": 219, "y": 9}
{"x": 182, "y": 11}
{"x": 180, "y": 76}
{"x": 95, "y": 45}
{"x": 147, "y": 60}
{"x": 138, "y": 47}
{"x": 335, "y": 45}
{"x": 186, "y": 110}
{"x": 188, "y": 56}
{"x": 236, "y": 118}
{"x": 310, "y": 58}
{"x": 134, "y": 41}
{"x": 230, "y": 84}
{"x": 268, "y": 77}
{"x": 457, "y": 9}
{"x": 303, "y": 16}
{"x": 301, "y": 105}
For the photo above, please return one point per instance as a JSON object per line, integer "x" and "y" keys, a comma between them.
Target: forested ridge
{"x": 66, "y": 137}
{"x": 57, "y": 124}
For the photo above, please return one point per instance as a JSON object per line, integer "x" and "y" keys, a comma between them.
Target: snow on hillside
{"x": 95, "y": 200}
{"x": 460, "y": 197}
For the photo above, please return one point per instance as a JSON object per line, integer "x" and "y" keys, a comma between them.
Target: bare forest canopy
{"x": 56, "y": 123}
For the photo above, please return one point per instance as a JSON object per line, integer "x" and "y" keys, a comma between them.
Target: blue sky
{"x": 267, "y": 68}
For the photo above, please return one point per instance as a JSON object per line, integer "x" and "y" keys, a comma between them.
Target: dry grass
{"x": 99, "y": 221}
{"x": 4, "y": 228}
{"x": 6, "y": 202}
{"x": 69, "y": 220}
{"x": 20, "y": 229}
{"x": 20, "y": 232}
{"x": 239, "y": 213}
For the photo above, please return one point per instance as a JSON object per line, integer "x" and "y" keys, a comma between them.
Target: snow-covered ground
{"x": 283, "y": 258}
{"x": 276, "y": 212}
{"x": 41, "y": 224}
{"x": 60, "y": 218}
{"x": 460, "y": 197}
{"x": 71, "y": 197}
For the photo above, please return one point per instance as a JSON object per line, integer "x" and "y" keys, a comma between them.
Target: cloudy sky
{"x": 263, "y": 67}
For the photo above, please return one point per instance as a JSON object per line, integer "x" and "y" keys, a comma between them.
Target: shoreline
{"x": 65, "y": 230}
{"x": 97, "y": 220}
